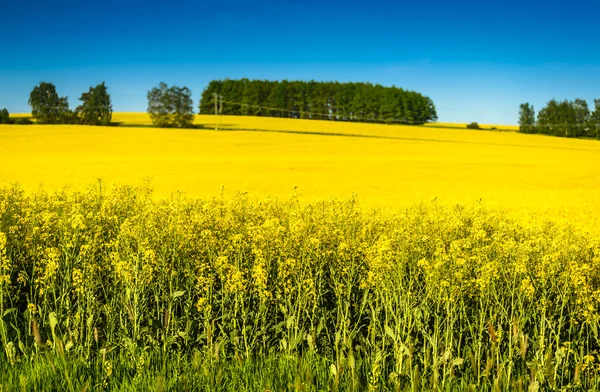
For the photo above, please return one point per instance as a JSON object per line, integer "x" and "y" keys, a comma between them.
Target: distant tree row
{"x": 5, "y": 118}
{"x": 318, "y": 100}
{"x": 566, "y": 118}
{"x": 47, "y": 107}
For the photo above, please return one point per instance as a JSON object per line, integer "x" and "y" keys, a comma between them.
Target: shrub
{"x": 473, "y": 125}
{"x": 22, "y": 121}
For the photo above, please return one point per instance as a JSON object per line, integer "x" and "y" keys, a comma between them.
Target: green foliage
{"x": 4, "y": 116}
{"x": 565, "y": 118}
{"x": 527, "y": 118}
{"x": 96, "y": 108}
{"x": 473, "y": 125}
{"x": 319, "y": 100}
{"x": 171, "y": 106}
{"x": 22, "y": 121}
{"x": 47, "y": 107}
{"x": 594, "y": 130}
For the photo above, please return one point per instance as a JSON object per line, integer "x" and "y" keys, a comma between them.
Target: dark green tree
{"x": 171, "y": 106}
{"x": 526, "y": 118}
{"x": 47, "y": 107}
{"x": 277, "y": 100}
{"x": 547, "y": 118}
{"x": 431, "y": 112}
{"x": 96, "y": 108}
{"x": 4, "y": 117}
{"x": 207, "y": 101}
{"x": 595, "y": 120}
{"x": 582, "y": 118}
{"x": 250, "y": 97}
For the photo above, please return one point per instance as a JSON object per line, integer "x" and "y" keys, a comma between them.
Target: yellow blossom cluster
{"x": 118, "y": 269}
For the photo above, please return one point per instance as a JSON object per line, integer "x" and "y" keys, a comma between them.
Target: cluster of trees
{"x": 171, "y": 106}
{"x": 318, "y": 100}
{"x": 566, "y": 118}
{"x": 5, "y": 118}
{"x": 47, "y": 107}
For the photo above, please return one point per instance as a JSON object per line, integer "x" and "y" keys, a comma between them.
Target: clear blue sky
{"x": 477, "y": 60}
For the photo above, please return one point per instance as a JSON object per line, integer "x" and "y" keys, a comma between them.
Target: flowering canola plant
{"x": 387, "y": 166}
{"x": 427, "y": 297}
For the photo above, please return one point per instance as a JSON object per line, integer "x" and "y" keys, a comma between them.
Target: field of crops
{"x": 385, "y": 166}
{"x": 479, "y": 268}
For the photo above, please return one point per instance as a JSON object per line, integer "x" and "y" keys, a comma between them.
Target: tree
{"x": 595, "y": 120}
{"x": 47, "y": 107}
{"x": 4, "y": 117}
{"x": 582, "y": 118}
{"x": 547, "y": 118}
{"x": 96, "y": 108}
{"x": 171, "y": 106}
{"x": 526, "y": 118}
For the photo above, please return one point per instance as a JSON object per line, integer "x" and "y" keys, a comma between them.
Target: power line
{"x": 330, "y": 115}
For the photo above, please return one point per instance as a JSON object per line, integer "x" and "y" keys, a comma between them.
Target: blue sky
{"x": 477, "y": 60}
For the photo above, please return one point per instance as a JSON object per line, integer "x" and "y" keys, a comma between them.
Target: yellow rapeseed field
{"x": 482, "y": 126}
{"x": 279, "y": 286}
{"x": 384, "y": 165}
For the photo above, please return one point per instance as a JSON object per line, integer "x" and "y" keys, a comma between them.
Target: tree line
{"x": 565, "y": 118}
{"x": 47, "y": 107}
{"x": 172, "y": 106}
{"x": 335, "y": 101}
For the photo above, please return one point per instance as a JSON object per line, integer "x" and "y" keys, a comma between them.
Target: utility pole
{"x": 218, "y": 109}
{"x": 216, "y": 99}
{"x": 221, "y": 110}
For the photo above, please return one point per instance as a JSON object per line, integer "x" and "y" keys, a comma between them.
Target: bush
{"x": 22, "y": 121}
{"x": 473, "y": 125}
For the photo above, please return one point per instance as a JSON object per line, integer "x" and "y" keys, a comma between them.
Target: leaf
{"x": 446, "y": 356}
{"x": 390, "y": 333}
{"x": 53, "y": 321}
{"x": 90, "y": 320}
{"x": 178, "y": 294}
{"x": 457, "y": 361}
{"x": 311, "y": 344}
{"x": 290, "y": 322}
{"x": 320, "y": 326}
{"x": 333, "y": 369}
